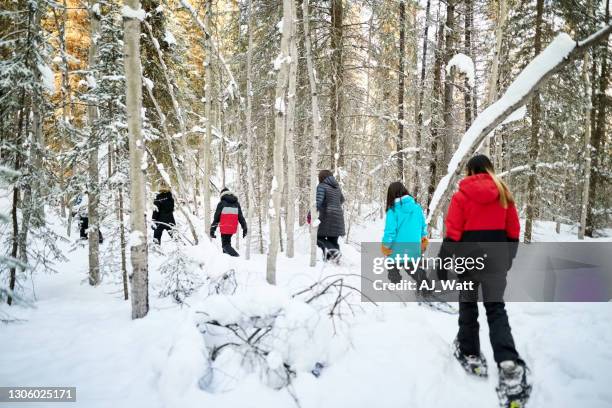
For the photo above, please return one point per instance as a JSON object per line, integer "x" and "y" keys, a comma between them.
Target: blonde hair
{"x": 505, "y": 196}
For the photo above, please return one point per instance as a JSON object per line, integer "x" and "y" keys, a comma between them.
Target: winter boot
{"x": 514, "y": 388}
{"x": 475, "y": 365}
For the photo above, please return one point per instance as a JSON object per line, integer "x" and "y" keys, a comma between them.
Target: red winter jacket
{"x": 475, "y": 214}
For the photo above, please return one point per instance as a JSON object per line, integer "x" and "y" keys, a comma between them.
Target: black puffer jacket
{"x": 329, "y": 205}
{"x": 164, "y": 212}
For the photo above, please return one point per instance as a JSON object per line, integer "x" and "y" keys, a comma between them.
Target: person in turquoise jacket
{"x": 405, "y": 226}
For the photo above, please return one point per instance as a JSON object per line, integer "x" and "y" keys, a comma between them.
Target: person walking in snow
{"x": 227, "y": 216}
{"x": 483, "y": 211}
{"x": 163, "y": 214}
{"x": 80, "y": 208}
{"x": 405, "y": 229}
{"x": 331, "y": 215}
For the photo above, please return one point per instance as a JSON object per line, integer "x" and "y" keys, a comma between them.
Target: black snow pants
{"x": 500, "y": 335}
{"x": 226, "y": 244}
{"x": 159, "y": 230}
{"x": 326, "y": 243}
{"x": 83, "y": 225}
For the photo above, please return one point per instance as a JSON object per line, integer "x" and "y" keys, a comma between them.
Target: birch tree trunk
{"x": 138, "y": 236}
{"x": 316, "y": 134}
{"x": 290, "y": 135}
{"x": 93, "y": 190}
{"x": 249, "y": 133}
{"x": 280, "y": 107}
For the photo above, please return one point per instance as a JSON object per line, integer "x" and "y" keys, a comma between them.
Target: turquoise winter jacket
{"x": 405, "y": 227}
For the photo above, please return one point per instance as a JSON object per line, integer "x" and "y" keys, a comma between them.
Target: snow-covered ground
{"x": 391, "y": 355}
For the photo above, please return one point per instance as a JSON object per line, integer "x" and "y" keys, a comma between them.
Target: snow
{"x": 375, "y": 356}
{"x": 169, "y": 38}
{"x": 47, "y": 76}
{"x": 128, "y": 12}
{"x": 464, "y": 64}
{"x": 148, "y": 83}
{"x": 554, "y": 53}
{"x": 279, "y": 105}
{"x": 96, "y": 9}
{"x": 279, "y": 26}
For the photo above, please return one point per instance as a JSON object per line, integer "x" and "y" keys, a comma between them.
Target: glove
{"x": 424, "y": 243}
{"x": 212, "y": 234}
{"x": 394, "y": 275}
{"x": 244, "y": 233}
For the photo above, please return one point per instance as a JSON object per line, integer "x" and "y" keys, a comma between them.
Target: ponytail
{"x": 505, "y": 196}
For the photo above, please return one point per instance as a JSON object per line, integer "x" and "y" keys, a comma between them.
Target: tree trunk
{"x": 280, "y": 106}
{"x": 93, "y": 190}
{"x": 436, "y": 93}
{"x": 494, "y": 77}
{"x": 599, "y": 134}
{"x": 419, "y": 110}
{"x": 206, "y": 149}
{"x": 249, "y": 134}
{"x": 449, "y": 50}
{"x": 400, "y": 91}
{"x": 587, "y": 148}
{"x": 122, "y": 243}
{"x": 335, "y": 98}
{"x": 138, "y": 236}
{"x": 534, "y": 142}
{"x": 316, "y": 133}
{"x": 290, "y": 135}
{"x": 469, "y": 90}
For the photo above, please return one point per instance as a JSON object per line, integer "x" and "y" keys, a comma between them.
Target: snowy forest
{"x": 105, "y": 103}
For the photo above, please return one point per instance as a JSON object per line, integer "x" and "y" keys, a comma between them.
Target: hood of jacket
{"x": 480, "y": 188}
{"x": 405, "y": 205}
{"x": 331, "y": 181}
{"x": 228, "y": 197}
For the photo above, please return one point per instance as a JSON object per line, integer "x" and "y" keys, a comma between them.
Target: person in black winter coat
{"x": 163, "y": 214}
{"x": 227, "y": 216}
{"x": 80, "y": 208}
{"x": 331, "y": 215}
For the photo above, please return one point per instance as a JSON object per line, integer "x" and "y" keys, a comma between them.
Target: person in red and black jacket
{"x": 483, "y": 212}
{"x": 227, "y": 216}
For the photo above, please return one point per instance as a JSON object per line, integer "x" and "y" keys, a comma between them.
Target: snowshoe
{"x": 514, "y": 388}
{"x": 438, "y": 306}
{"x": 334, "y": 255}
{"x": 475, "y": 365}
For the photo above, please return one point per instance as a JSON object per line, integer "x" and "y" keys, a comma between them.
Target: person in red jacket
{"x": 227, "y": 216}
{"x": 483, "y": 211}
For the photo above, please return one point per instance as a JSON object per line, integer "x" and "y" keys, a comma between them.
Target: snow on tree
{"x": 555, "y": 56}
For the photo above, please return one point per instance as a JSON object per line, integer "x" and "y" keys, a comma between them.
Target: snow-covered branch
{"x": 559, "y": 53}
